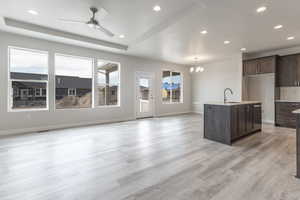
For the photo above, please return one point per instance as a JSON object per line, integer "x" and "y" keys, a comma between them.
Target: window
{"x": 28, "y": 73}
{"x": 171, "y": 87}
{"x": 107, "y": 85}
{"x": 38, "y": 92}
{"x": 73, "y": 80}
{"x": 72, "y": 92}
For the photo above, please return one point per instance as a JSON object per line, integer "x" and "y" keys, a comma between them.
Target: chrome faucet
{"x": 225, "y": 97}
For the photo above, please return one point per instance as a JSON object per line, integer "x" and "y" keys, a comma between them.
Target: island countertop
{"x": 233, "y": 103}
{"x": 296, "y": 111}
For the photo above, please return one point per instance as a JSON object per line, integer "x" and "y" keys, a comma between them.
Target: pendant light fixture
{"x": 196, "y": 67}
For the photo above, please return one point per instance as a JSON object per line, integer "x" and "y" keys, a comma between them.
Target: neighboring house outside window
{"x": 74, "y": 82}
{"x": 28, "y": 77}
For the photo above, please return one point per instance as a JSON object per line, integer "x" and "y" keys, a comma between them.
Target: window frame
{"x": 93, "y": 77}
{"x": 171, "y": 91}
{"x": 95, "y": 83}
{"x": 10, "y": 81}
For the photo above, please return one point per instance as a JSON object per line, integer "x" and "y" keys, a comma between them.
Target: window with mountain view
{"x": 73, "y": 82}
{"x": 28, "y": 79}
{"x": 107, "y": 84}
{"x": 171, "y": 87}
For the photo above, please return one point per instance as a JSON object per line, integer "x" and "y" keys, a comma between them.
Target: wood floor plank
{"x": 149, "y": 159}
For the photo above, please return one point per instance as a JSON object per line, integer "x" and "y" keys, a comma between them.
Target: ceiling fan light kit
{"x": 92, "y": 23}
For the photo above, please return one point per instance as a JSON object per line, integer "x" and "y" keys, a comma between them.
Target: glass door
{"x": 144, "y": 95}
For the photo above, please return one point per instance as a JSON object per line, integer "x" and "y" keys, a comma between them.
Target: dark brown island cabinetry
{"x": 284, "y": 114}
{"x": 288, "y": 71}
{"x": 297, "y": 113}
{"x": 259, "y": 66}
{"x": 229, "y": 122}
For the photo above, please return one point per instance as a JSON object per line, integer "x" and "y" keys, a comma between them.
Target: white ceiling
{"x": 174, "y": 33}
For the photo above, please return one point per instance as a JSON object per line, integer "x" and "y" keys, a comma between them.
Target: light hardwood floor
{"x": 150, "y": 159}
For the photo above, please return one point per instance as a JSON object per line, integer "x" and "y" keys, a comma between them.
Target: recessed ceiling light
{"x": 226, "y": 42}
{"x": 204, "y": 32}
{"x": 290, "y": 38}
{"x": 261, "y": 9}
{"x": 121, "y": 36}
{"x": 157, "y": 8}
{"x": 33, "y": 12}
{"x": 279, "y": 26}
{"x": 243, "y": 49}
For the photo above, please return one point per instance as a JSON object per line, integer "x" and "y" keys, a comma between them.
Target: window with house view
{"x": 28, "y": 80}
{"x": 107, "y": 84}
{"x": 73, "y": 82}
{"x": 171, "y": 87}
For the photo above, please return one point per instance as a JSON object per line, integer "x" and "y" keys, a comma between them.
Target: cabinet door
{"x": 287, "y": 71}
{"x": 234, "y": 122}
{"x": 284, "y": 115}
{"x": 257, "y": 117}
{"x": 250, "y": 67}
{"x": 298, "y": 68}
{"x": 267, "y": 65}
{"x": 249, "y": 119}
{"x": 242, "y": 120}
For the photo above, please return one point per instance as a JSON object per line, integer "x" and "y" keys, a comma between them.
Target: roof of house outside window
{"x": 60, "y": 81}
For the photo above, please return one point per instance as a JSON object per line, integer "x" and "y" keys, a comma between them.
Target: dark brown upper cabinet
{"x": 288, "y": 71}
{"x": 259, "y": 66}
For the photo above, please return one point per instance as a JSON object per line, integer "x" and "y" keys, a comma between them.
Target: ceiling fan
{"x": 92, "y": 23}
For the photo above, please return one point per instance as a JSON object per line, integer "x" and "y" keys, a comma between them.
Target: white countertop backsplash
{"x": 291, "y": 94}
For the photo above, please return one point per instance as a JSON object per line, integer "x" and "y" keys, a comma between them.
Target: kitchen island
{"x": 231, "y": 121}
{"x": 297, "y": 112}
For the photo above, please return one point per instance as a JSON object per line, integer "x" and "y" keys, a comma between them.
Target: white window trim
{"x": 171, "y": 91}
{"x": 10, "y": 89}
{"x": 93, "y": 79}
{"x": 96, "y": 85}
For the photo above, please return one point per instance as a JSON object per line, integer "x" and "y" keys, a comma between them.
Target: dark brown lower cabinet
{"x": 284, "y": 114}
{"x": 298, "y": 144}
{"x": 257, "y": 117}
{"x": 226, "y": 124}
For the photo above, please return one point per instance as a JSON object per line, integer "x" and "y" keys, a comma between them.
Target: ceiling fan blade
{"x": 72, "y": 21}
{"x": 104, "y": 30}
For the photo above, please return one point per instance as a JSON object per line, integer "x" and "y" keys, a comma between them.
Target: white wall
{"x": 209, "y": 85}
{"x": 280, "y": 52}
{"x": 261, "y": 88}
{"x": 16, "y": 122}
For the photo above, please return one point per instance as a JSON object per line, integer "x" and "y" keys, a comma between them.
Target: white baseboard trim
{"x": 173, "y": 113}
{"x": 57, "y": 127}
{"x": 268, "y": 122}
{"x": 198, "y": 112}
